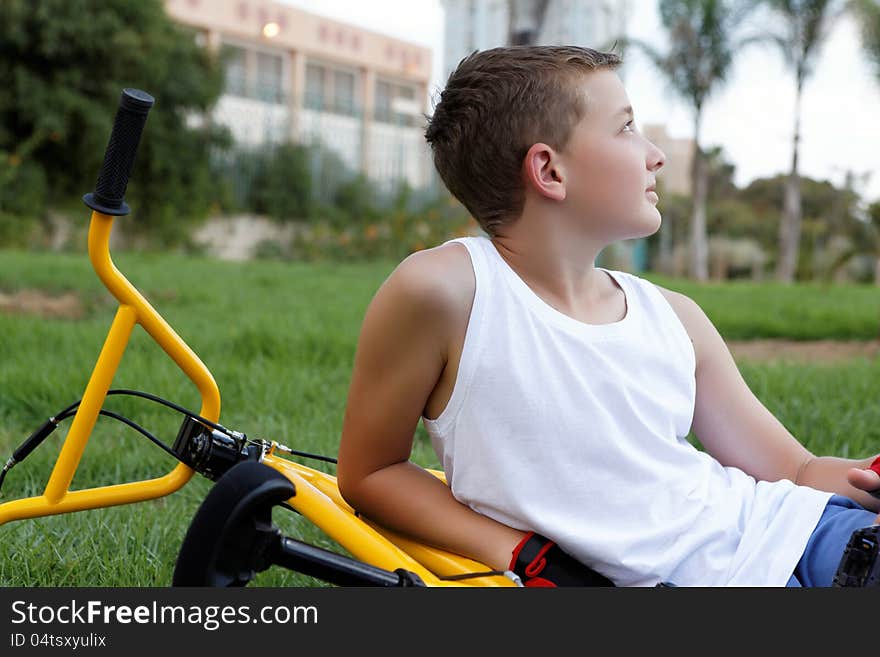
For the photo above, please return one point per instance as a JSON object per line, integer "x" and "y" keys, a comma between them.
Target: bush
{"x": 391, "y": 234}
{"x": 356, "y": 202}
{"x": 282, "y": 183}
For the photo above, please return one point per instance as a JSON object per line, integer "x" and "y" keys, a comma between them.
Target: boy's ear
{"x": 543, "y": 171}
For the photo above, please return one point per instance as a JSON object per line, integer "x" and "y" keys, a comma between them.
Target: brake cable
{"x": 43, "y": 432}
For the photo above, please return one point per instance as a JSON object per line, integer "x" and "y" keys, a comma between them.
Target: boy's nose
{"x": 657, "y": 159}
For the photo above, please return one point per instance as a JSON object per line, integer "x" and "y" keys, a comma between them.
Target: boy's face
{"x": 608, "y": 164}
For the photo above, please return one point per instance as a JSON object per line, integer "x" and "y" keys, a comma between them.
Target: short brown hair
{"x": 496, "y": 104}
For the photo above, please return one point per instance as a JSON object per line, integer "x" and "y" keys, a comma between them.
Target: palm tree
{"x": 702, "y": 36}
{"x": 867, "y": 13}
{"x": 805, "y": 25}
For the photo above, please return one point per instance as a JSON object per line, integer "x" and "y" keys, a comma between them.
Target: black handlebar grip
{"x": 119, "y": 156}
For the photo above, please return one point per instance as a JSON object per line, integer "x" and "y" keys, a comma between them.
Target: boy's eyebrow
{"x": 627, "y": 110}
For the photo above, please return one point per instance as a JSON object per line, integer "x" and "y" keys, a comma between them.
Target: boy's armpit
{"x": 729, "y": 421}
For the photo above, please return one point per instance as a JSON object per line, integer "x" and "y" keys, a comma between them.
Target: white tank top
{"x": 579, "y": 432}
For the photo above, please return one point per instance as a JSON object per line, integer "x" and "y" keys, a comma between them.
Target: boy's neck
{"x": 558, "y": 268}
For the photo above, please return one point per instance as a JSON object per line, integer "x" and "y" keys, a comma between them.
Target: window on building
{"x": 343, "y": 92}
{"x": 315, "y": 98}
{"x": 386, "y": 93}
{"x": 269, "y": 84}
{"x": 253, "y": 74}
{"x": 314, "y": 86}
{"x": 236, "y": 70}
{"x": 331, "y": 89}
{"x": 382, "y": 100}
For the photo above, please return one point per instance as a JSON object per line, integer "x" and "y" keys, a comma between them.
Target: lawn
{"x": 280, "y": 339}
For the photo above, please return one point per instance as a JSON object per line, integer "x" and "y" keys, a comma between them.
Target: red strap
{"x": 875, "y": 465}
{"x": 537, "y": 564}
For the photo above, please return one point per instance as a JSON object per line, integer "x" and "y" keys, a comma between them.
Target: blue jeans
{"x": 821, "y": 557}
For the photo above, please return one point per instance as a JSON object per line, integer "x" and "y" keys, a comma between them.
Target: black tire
{"x": 231, "y": 536}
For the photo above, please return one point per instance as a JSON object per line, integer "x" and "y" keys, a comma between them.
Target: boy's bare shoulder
{"x": 677, "y": 300}
{"x": 438, "y": 283}
{"x": 688, "y": 311}
{"x": 444, "y": 272}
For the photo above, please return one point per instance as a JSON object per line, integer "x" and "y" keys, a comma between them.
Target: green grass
{"x": 280, "y": 339}
{"x": 745, "y": 310}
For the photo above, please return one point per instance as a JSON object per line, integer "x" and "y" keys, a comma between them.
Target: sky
{"x": 751, "y": 117}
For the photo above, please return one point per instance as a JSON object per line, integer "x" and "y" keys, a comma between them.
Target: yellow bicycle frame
{"x": 317, "y": 495}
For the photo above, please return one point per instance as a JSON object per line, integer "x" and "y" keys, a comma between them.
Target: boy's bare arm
{"x": 738, "y": 430}
{"x": 400, "y": 356}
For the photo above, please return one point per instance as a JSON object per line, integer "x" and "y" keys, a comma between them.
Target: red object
{"x": 518, "y": 549}
{"x": 539, "y": 562}
{"x": 875, "y": 465}
{"x": 536, "y": 565}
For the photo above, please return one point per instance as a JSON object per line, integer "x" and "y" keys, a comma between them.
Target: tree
{"x": 63, "y": 65}
{"x": 805, "y": 25}
{"x": 867, "y": 12}
{"x": 865, "y": 242}
{"x": 830, "y": 215}
{"x": 702, "y": 36}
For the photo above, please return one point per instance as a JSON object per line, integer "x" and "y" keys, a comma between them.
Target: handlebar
{"x": 106, "y": 202}
{"x": 131, "y": 115}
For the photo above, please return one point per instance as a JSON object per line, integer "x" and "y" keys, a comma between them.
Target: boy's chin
{"x": 650, "y": 225}
{"x": 657, "y": 224}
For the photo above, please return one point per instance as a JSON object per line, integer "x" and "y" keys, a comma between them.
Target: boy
{"x": 558, "y": 395}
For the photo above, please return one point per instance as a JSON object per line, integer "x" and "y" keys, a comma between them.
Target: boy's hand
{"x": 538, "y": 561}
{"x": 867, "y": 480}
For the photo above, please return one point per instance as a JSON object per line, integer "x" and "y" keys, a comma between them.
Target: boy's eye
{"x": 630, "y": 122}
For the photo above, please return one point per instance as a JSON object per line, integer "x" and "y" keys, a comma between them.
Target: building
{"x": 296, "y": 76}
{"x": 675, "y": 176}
{"x": 482, "y": 24}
